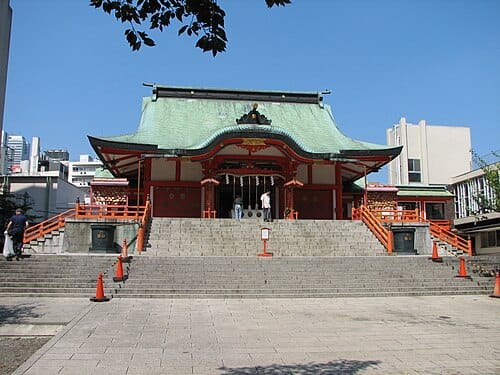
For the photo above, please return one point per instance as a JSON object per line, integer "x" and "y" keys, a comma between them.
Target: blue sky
{"x": 72, "y": 74}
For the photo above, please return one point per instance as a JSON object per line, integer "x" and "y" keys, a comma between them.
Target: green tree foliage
{"x": 7, "y": 208}
{"x": 10, "y": 202}
{"x": 201, "y": 18}
{"x": 491, "y": 175}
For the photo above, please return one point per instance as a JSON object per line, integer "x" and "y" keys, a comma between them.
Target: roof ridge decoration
{"x": 253, "y": 117}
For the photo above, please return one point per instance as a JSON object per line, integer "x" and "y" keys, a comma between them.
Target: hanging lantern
{"x": 272, "y": 180}
{"x": 227, "y": 179}
{"x": 241, "y": 181}
{"x": 256, "y": 180}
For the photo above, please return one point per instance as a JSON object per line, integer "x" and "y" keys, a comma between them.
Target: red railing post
{"x": 390, "y": 242}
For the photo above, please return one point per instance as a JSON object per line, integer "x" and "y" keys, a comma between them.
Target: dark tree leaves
{"x": 203, "y": 18}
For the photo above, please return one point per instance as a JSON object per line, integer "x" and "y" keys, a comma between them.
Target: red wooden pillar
{"x": 289, "y": 200}
{"x": 338, "y": 192}
{"x": 208, "y": 186}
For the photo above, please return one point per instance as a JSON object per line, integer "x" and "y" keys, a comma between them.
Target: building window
{"x": 434, "y": 211}
{"x": 490, "y": 239}
{"x": 414, "y": 171}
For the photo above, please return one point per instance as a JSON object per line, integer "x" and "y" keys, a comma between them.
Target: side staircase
{"x": 55, "y": 275}
{"x": 50, "y": 242}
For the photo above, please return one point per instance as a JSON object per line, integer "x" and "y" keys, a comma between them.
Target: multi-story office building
{"x": 83, "y": 171}
{"x": 431, "y": 154}
{"x": 60, "y": 155}
{"x": 5, "y": 25}
{"x": 17, "y": 150}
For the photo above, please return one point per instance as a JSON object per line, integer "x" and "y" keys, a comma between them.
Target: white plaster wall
{"x": 323, "y": 174}
{"x": 162, "y": 170}
{"x": 271, "y": 151}
{"x": 302, "y": 173}
{"x": 191, "y": 171}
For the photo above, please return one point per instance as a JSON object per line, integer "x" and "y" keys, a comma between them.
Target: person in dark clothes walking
{"x": 15, "y": 228}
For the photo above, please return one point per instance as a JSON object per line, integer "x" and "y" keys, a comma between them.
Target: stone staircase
{"x": 445, "y": 248}
{"x": 294, "y": 277}
{"x": 55, "y": 275}
{"x": 49, "y": 243}
{"x": 200, "y": 258}
{"x": 227, "y": 237}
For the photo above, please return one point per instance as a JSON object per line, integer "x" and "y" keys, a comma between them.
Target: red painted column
{"x": 338, "y": 191}
{"x": 146, "y": 179}
{"x": 177, "y": 170}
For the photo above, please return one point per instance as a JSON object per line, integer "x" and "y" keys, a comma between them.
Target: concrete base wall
{"x": 78, "y": 235}
{"x": 423, "y": 242}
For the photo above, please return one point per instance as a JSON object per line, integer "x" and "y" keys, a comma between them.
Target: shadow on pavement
{"x": 343, "y": 366}
{"x": 19, "y": 313}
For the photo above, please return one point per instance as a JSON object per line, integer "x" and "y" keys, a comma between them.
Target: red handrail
{"x": 438, "y": 228}
{"x": 396, "y": 215}
{"x": 88, "y": 211}
{"x": 451, "y": 238}
{"x": 96, "y": 211}
{"x": 384, "y": 235}
{"x": 141, "y": 232}
{"x": 47, "y": 226}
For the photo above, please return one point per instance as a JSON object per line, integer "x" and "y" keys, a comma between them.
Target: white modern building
{"x": 83, "y": 171}
{"x": 483, "y": 226}
{"x": 431, "y": 154}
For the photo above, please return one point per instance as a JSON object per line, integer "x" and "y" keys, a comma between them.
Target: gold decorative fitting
{"x": 253, "y": 142}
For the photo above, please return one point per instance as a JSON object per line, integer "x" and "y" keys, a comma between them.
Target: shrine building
{"x": 197, "y": 149}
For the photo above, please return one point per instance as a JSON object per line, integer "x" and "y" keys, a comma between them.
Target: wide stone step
{"x": 304, "y": 295}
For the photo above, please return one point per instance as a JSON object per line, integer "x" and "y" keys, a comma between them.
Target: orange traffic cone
{"x": 496, "y": 290}
{"x": 119, "y": 276}
{"x": 125, "y": 257}
{"x": 462, "y": 270}
{"x": 435, "y": 256}
{"x": 99, "y": 292}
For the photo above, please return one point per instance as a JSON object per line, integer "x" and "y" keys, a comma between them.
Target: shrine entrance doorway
{"x": 249, "y": 188}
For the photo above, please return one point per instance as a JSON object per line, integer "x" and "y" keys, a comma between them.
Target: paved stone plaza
{"x": 398, "y": 335}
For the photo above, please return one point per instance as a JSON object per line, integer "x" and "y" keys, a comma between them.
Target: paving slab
{"x": 397, "y": 335}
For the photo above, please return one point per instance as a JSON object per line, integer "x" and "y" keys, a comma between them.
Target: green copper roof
{"x": 183, "y": 123}
{"x": 103, "y": 173}
{"x": 423, "y": 191}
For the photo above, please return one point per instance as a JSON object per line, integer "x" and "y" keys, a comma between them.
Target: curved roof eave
{"x": 245, "y": 132}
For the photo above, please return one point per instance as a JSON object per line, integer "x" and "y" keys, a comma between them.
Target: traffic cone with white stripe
{"x": 119, "y": 276}
{"x": 435, "y": 256}
{"x": 496, "y": 290}
{"x": 462, "y": 270}
{"x": 99, "y": 293}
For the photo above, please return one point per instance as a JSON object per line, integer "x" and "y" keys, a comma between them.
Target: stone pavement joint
{"x": 399, "y": 335}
